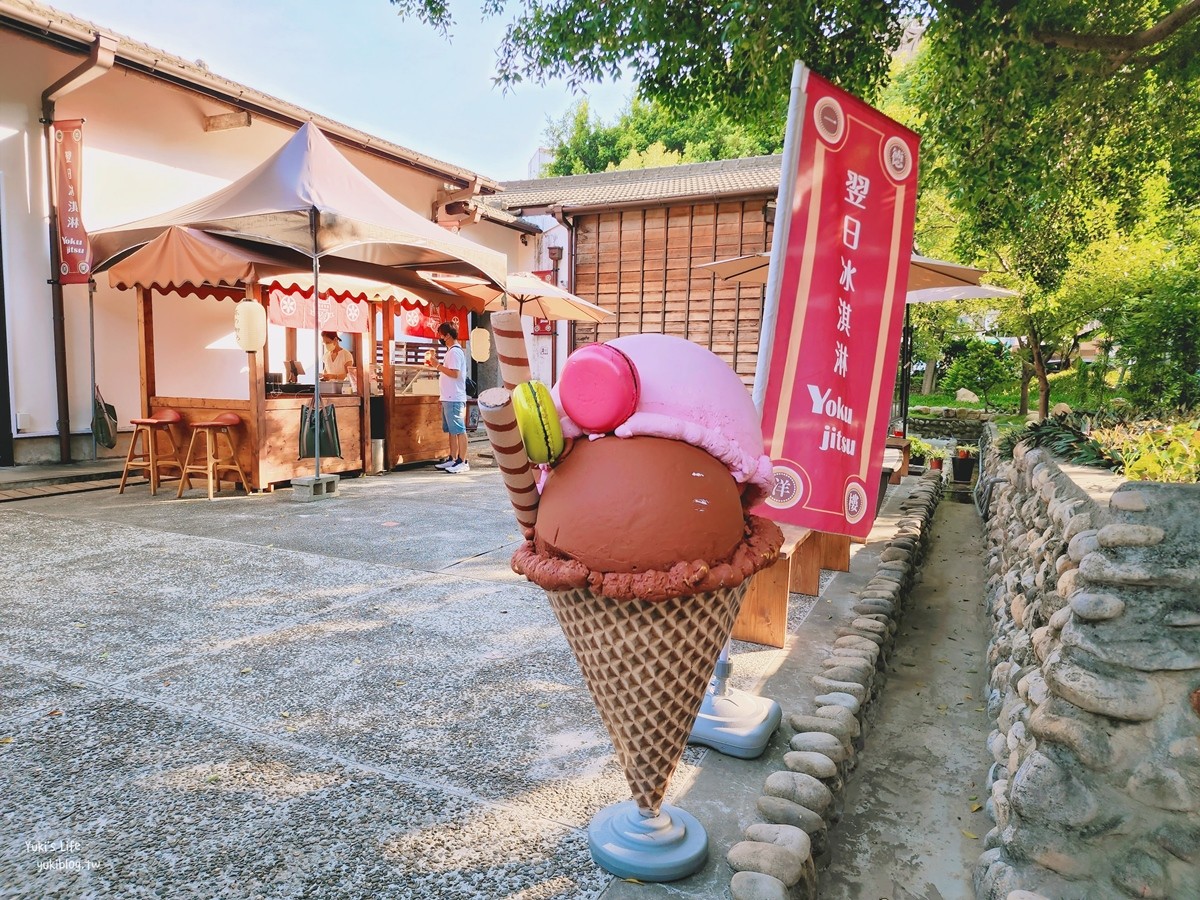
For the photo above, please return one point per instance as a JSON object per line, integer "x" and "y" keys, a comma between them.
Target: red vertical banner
{"x": 842, "y": 280}
{"x": 74, "y": 252}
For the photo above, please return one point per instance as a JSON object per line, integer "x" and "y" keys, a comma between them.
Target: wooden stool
{"x": 150, "y": 459}
{"x": 213, "y": 464}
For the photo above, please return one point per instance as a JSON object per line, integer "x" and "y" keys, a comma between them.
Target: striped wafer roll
{"x": 496, "y": 409}
{"x": 510, "y": 348}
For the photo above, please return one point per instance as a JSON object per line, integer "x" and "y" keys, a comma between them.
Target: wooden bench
{"x": 904, "y": 445}
{"x": 763, "y": 617}
{"x": 835, "y": 551}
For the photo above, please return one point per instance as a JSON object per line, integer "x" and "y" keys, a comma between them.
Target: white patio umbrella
{"x": 533, "y": 296}
{"x": 924, "y": 272}
{"x": 963, "y": 292}
{"x": 310, "y": 198}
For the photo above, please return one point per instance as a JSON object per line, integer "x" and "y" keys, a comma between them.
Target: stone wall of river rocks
{"x": 960, "y": 424}
{"x": 1094, "y": 598}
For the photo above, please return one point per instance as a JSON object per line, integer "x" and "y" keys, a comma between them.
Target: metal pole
{"x": 57, "y": 306}
{"x": 725, "y": 713}
{"x": 312, "y": 222}
{"x": 92, "y": 348}
{"x": 906, "y": 362}
{"x": 783, "y": 218}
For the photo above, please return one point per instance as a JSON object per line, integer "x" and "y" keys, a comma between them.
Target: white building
{"x": 159, "y": 132}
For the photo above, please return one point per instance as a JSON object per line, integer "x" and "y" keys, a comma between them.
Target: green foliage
{"x": 1142, "y": 283}
{"x": 736, "y": 56}
{"x": 1064, "y": 438}
{"x": 1030, "y": 111}
{"x": 1058, "y": 138}
{"x": 982, "y": 368}
{"x": 1157, "y": 334}
{"x": 1141, "y": 449}
{"x": 921, "y": 449}
{"x": 1063, "y": 389}
{"x": 648, "y": 134}
{"x": 1155, "y": 451}
{"x": 1090, "y": 383}
{"x": 1036, "y": 117}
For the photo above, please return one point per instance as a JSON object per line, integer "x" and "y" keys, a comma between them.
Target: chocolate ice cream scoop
{"x": 635, "y": 504}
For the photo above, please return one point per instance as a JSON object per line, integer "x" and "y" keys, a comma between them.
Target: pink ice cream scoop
{"x": 684, "y": 393}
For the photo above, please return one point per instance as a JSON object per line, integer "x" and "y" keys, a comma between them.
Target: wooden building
{"x": 634, "y": 238}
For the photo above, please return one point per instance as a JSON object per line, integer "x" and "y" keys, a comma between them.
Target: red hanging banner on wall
{"x": 295, "y": 310}
{"x": 413, "y": 320}
{"x": 843, "y": 275}
{"x": 74, "y": 252}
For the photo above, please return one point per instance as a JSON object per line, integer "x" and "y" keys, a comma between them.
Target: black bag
{"x": 104, "y": 421}
{"x": 472, "y": 387}
{"x": 331, "y": 444}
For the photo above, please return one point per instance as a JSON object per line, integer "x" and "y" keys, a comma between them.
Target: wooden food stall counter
{"x": 268, "y": 439}
{"x": 413, "y": 418}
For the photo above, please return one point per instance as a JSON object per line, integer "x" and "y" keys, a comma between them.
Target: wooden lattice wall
{"x": 639, "y": 263}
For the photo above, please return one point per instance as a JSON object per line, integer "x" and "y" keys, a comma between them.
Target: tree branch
{"x": 1122, "y": 43}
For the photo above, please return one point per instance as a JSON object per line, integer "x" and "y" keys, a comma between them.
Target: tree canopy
{"x": 1030, "y": 108}
{"x": 1052, "y": 130}
{"x": 648, "y": 134}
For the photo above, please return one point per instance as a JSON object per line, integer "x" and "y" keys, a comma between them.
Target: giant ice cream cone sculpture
{"x": 647, "y": 665}
{"x": 644, "y": 546}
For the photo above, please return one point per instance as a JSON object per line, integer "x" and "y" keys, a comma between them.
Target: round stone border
{"x": 804, "y": 800}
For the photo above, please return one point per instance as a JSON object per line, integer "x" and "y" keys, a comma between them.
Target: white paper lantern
{"x": 250, "y": 325}
{"x": 481, "y": 346}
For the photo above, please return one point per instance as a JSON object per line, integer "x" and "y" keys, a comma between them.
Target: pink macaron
{"x": 599, "y": 388}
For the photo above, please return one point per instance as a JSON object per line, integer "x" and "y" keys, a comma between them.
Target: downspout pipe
{"x": 99, "y": 61}
{"x": 561, "y": 218}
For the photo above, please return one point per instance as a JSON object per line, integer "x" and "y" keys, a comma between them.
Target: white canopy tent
{"x": 309, "y": 198}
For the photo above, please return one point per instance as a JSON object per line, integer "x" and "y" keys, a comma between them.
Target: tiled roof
{"x": 504, "y": 217}
{"x": 754, "y": 175}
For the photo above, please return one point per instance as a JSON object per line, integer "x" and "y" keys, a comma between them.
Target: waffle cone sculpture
{"x": 645, "y": 547}
{"x": 647, "y": 665}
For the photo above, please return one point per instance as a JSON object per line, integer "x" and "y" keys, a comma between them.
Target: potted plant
{"x": 919, "y": 451}
{"x": 936, "y": 456}
{"x": 963, "y": 464}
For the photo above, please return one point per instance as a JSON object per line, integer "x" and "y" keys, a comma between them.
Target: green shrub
{"x": 983, "y": 368}
{"x": 920, "y": 448}
{"x": 1154, "y": 451}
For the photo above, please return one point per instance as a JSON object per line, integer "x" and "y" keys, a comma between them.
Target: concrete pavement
{"x": 914, "y": 821}
{"x": 349, "y": 698}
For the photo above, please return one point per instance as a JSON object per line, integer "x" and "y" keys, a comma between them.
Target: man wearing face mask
{"x": 452, "y": 387}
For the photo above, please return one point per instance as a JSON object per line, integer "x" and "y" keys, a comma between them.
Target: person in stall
{"x": 338, "y": 362}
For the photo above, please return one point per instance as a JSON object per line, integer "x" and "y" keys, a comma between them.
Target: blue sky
{"x": 357, "y": 62}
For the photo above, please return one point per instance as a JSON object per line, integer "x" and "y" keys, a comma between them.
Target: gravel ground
{"x": 257, "y": 697}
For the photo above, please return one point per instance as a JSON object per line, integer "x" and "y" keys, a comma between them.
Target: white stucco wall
{"x": 23, "y": 223}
